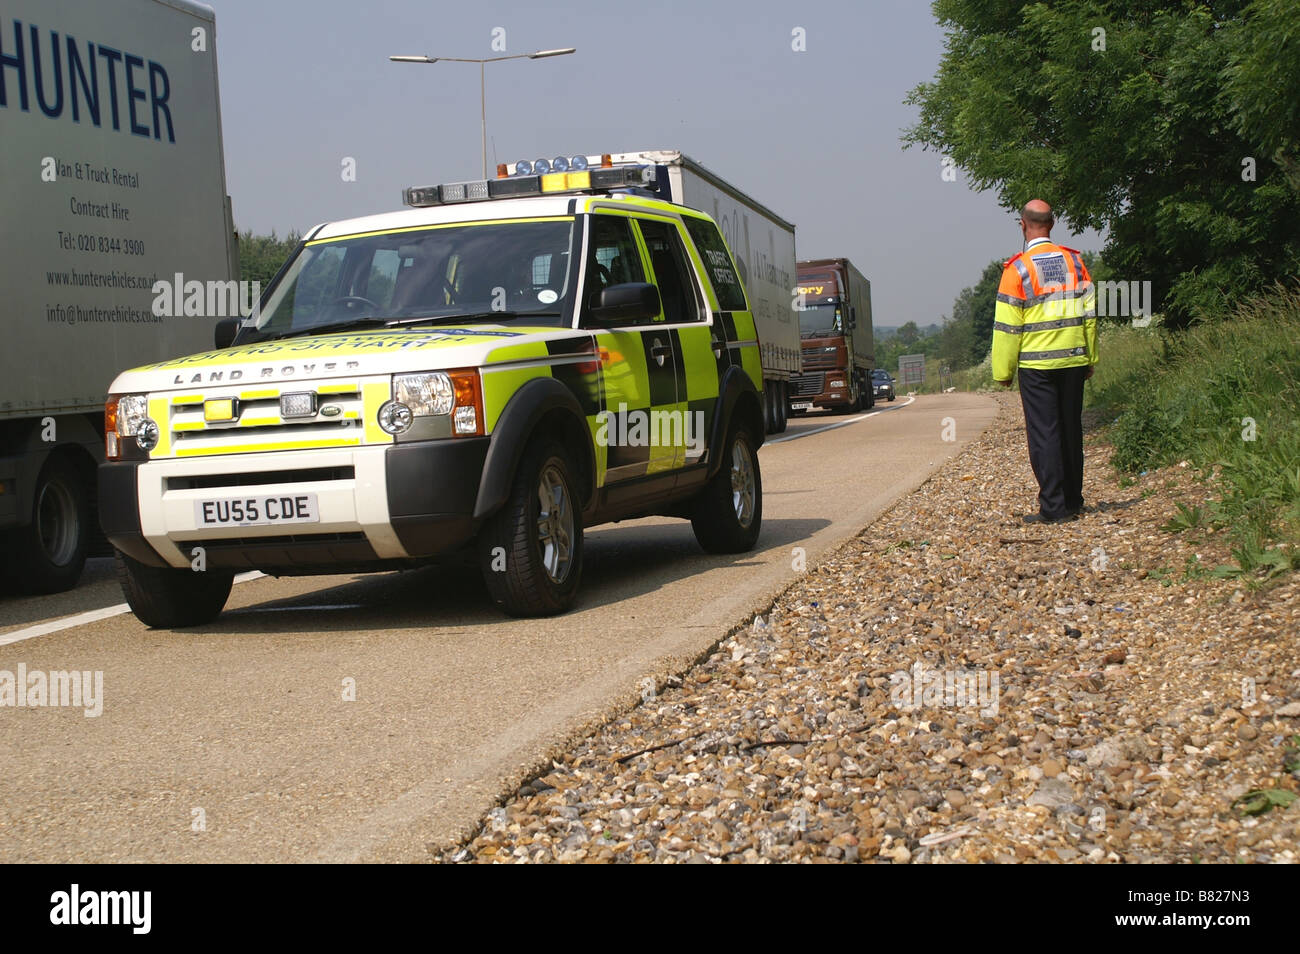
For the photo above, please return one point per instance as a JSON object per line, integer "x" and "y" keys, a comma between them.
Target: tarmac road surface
{"x": 234, "y": 742}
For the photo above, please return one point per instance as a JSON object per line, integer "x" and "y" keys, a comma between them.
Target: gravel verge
{"x": 954, "y": 686}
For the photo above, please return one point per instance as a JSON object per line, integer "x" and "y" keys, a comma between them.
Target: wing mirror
{"x": 626, "y": 303}
{"x": 224, "y": 334}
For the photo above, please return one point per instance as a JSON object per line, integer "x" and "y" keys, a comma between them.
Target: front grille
{"x": 809, "y": 385}
{"x": 264, "y": 477}
{"x": 291, "y": 539}
{"x": 817, "y": 358}
{"x": 293, "y": 553}
{"x": 259, "y": 425}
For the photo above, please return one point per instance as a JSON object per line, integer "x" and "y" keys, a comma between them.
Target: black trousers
{"x": 1053, "y": 403}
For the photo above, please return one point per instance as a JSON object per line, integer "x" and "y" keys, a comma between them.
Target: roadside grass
{"x": 1225, "y": 397}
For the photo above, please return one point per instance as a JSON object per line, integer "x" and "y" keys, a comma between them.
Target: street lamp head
{"x": 414, "y": 59}
{"x": 541, "y": 53}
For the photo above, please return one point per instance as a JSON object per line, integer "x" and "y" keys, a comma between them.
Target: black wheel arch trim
{"x": 523, "y": 412}
{"x": 733, "y": 390}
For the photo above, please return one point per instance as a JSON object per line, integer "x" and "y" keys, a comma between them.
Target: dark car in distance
{"x": 882, "y": 384}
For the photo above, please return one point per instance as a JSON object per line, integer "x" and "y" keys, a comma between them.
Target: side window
{"x": 673, "y": 272}
{"x": 713, "y": 252}
{"x": 615, "y": 258}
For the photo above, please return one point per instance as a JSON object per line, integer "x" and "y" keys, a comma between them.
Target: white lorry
{"x": 113, "y": 181}
{"x": 763, "y": 244}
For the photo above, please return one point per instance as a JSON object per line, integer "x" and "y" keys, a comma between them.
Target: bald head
{"x": 1036, "y": 219}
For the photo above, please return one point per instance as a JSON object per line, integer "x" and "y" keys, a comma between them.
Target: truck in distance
{"x": 836, "y": 336}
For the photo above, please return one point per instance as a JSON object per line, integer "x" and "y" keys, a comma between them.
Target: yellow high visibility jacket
{"x": 1046, "y": 312}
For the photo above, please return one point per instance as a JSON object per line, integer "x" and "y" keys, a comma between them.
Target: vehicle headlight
{"x": 146, "y": 437}
{"x": 395, "y": 417}
{"x": 435, "y": 394}
{"x": 132, "y": 409}
{"x": 124, "y": 416}
{"x": 425, "y": 394}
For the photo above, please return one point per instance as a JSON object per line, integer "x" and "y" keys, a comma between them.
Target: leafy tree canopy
{"x": 1174, "y": 125}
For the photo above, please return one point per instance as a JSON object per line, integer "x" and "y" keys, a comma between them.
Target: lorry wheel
{"x": 782, "y": 407}
{"x": 868, "y": 392}
{"x": 769, "y": 407}
{"x": 168, "y": 598}
{"x": 48, "y": 554}
{"x": 728, "y": 513}
{"x": 530, "y": 552}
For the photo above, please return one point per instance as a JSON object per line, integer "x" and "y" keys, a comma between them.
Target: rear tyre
{"x": 530, "y": 552}
{"x": 168, "y": 598}
{"x": 48, "y": 554}
{"x": 782, "y": 406}
{"x": 728, "y": 514}
{"x": 769, "y": 407}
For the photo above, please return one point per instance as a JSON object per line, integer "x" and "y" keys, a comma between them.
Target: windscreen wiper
{"x": 331, "y": 326}
{"x": 373, "y": 322}
{"x": 471, "y": 316}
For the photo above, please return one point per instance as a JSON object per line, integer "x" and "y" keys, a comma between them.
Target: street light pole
{"x": 482, "y": 78}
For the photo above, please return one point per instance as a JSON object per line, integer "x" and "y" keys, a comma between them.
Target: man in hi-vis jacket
{"x": 1045, "y": 326}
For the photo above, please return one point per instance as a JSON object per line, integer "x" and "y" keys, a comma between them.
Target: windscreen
{"x": 820, "y": 320}
{"x": 520, "y": 270}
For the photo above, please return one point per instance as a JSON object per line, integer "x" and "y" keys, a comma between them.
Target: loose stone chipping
{"x": 1127, "y": 700}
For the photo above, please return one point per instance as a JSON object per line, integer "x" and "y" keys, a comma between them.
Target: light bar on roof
{"x": 591, "y": 180}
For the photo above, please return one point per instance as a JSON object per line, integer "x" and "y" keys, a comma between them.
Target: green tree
{"x": 260, "y": 256}
{"x": 1142, "y": 129}
{"x": 984, "y": 295}
{"x": 907, "y": 334}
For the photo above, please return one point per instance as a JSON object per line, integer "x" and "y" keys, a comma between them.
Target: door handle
{"x": 660, "y": 351}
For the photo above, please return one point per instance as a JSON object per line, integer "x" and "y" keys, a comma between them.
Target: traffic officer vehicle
{"x": 498, "y": 367}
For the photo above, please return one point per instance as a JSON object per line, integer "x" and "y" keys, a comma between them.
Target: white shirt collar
{"x": 1038, "y": 241}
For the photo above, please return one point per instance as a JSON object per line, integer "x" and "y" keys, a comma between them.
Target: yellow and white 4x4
{"x": 501, "y": 366}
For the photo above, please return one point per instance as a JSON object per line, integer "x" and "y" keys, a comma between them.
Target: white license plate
{"x": 801, "y": 406}
{"x": 260, "y": 511}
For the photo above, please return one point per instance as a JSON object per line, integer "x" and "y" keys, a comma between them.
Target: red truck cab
{"x": 835, "y": 331}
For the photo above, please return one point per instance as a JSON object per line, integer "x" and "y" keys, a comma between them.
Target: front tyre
{"x": 530, "y": 551}
{"x": 168, "y": 598}
{"x": 728, "y": 513}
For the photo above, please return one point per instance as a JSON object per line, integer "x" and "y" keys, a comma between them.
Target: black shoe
{"x": 1045, "y": 519}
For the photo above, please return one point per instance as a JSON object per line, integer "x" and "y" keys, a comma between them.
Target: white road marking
{"x": 827, "y": 427}
{"x": 90, "y": 616}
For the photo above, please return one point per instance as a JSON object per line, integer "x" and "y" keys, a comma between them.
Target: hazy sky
{"x": 813, "y": 135}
